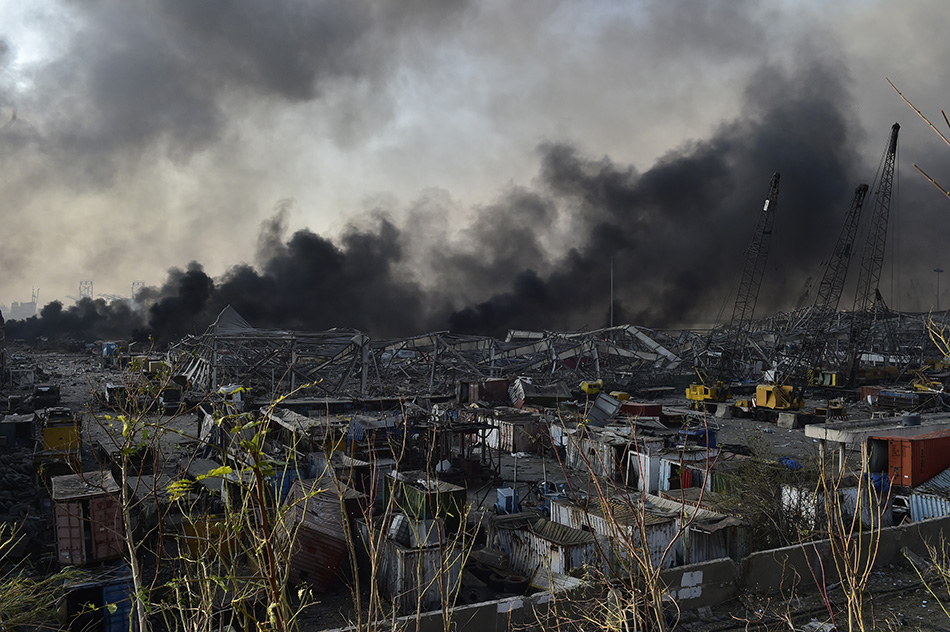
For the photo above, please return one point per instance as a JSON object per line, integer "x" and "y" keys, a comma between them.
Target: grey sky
{"x": 150, "y": 134}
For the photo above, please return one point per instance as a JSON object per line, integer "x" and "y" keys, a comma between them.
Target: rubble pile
{"x": 18, "y": 491}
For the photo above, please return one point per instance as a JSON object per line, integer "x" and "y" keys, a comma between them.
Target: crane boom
{"x": 830, "y": 290}
{"x": 872, "y": 259}
{"x": 832, "y": 282}
{"x": 737, "y": 334}
{"x": 867, "y": 295}
{"x": 752, "y": 272}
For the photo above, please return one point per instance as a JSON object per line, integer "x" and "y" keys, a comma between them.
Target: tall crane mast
{"x": 756, "y": 257}
{"x": 867, "y": 296}
{"x": 737, "y": 333}
{"x": 830, "y": 290}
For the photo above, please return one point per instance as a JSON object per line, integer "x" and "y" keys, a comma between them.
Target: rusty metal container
{"x": 915, "y": 460}
{"x": 317, "y": 531}
{"x": 88, "y": 518}
{"x": 640, "y": 409}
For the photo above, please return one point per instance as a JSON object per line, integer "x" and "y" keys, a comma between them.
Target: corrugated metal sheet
{"x": 643, "y": 471}
{"x": 315, "y": 559}
{"x": 561, "y": 534}
{"x": 548, "y": 547}
{"x": 590, "y": 452}
{"x": 513, "y": 433}
{"x": 924, "y": 506}
{"x": 875, "y": 510}
{"x": 939, "y": 485}
{"x": 85, "y": 485}
{"x": 315, "y": 517}
{"x": 701, "y": 546}
{"x": 422, "y": 497}
{"x": 685, "y": 470}
{"x": 414, "y": 579}
{"x": 677, "y": 508}
{"x": 627, "y": 530}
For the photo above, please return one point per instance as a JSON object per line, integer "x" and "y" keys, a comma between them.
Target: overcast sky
{"x": 141, "y": 135}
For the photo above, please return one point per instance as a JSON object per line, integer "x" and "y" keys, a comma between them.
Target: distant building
{"x": 22, "y": 311}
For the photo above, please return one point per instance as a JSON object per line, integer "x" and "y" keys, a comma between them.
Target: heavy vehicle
{"x": 787, "y": 393}
{"x": 712, "y": 386}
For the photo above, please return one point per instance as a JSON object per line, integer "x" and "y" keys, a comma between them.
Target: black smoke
{"x": 541, "y": 257}
{"x": 87, "y": 320}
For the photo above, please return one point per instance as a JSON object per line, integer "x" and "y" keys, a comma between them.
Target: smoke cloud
{"x": 157, "y": 135}
{"x": 541, "y": 257}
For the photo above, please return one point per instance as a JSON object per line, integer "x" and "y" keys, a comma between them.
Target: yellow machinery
{"x": 61, "y": 430}
{"x": 777, "y": 397}
{"x": 592, "y": 388}
{"x": 702, "y": 393}
{"x": 924, "y": 384}
{"x": 832, "y": 379}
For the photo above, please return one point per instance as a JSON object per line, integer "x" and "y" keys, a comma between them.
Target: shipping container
{"x": 18, "y": 430}
{"x": 492, "y": 391}
{"x": 643, "y": 469}
{"x": 686, "y": 468}
{"x": 914, "y": 460}
{"x": 639, "y": 409}
{"x": 513, "y": 431}
{"x": 316, "y": 530}
{"x": 117, "y": 597}
{"x": 103, "y": 604}
{"x": 61, "y": 430}
{"x": 422, "y": 497}
{"x": 70, "y": 538}
{"x": 88, "y": 518}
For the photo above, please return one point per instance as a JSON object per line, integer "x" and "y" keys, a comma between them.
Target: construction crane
{"x": 788, "y": 393}
{"x": 737, "y": 333}
{"x": 868, "y": 302}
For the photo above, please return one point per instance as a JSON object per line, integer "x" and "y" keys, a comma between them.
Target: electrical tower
{"x": 85, "y": 289}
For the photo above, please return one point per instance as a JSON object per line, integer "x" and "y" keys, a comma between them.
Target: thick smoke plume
{"x": 540, "y": 256}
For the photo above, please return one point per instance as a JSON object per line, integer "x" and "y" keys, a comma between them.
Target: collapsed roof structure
{"x": 347, "y": 363}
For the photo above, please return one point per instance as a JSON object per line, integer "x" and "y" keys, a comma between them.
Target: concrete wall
{"x": 707, "y": 584}
{"x": 780, "y": 570}
{"x": 500, "y": 615}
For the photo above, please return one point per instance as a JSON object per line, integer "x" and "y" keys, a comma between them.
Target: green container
{"x": 441, "y": 500}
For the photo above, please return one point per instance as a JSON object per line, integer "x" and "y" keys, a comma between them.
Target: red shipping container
{"x": 915, "y": 460}
{"x": 636, "y": 409}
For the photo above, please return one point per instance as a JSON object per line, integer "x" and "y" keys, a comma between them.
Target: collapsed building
{"x": 464, "y": 466}
{"x": 349, "y": 364}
